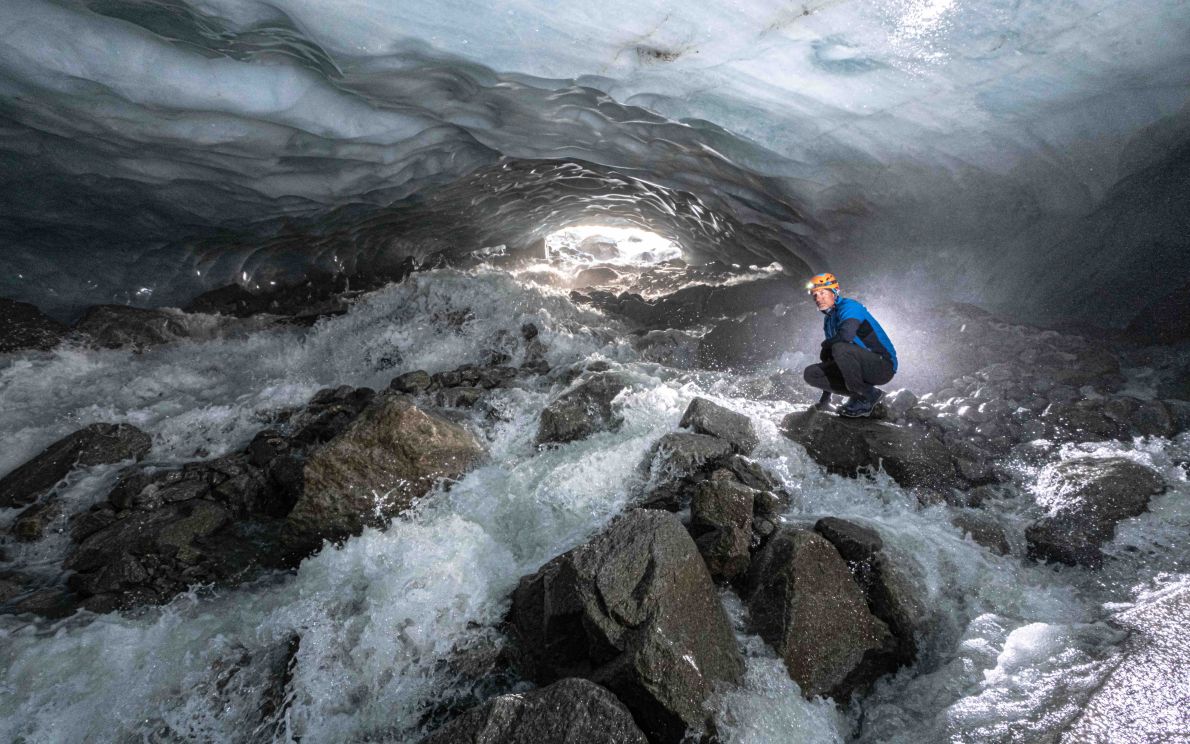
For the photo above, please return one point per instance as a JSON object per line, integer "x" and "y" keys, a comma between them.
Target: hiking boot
{"x": 858, "y": 407}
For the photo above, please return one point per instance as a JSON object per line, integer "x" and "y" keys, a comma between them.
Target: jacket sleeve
{"x": 847, "y": 331}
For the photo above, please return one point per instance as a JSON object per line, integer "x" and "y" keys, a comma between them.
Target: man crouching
{"x": 856, "y": 354}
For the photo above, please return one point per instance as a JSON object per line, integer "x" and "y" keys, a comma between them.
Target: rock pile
{"x": 349, "y": 459}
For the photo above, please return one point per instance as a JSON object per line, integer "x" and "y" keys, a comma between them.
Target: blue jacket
{"x": 850, "y": 322}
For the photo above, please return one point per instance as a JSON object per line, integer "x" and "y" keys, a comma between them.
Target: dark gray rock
{"x": 752, "y": 474}
{"x": 704, "y": 417}
{"x": 911, "y": 455}
{"x": 983, "y": 528}
{"x": 459, "y": 397}
{"x": 319, "y": 294}
{"x": 804, "y": 602}
{"x": 160, "y": 532}
{"x": 721, "y": 525}
{"x": 23, "y": 327}
{"x": 31, "y": 524}
{"x": 411, "y": 383}
{"x": 97, "y": 444}
{"x": 570, "y": 711}
{"x": 596, "y": 276}
{"x": 891, "y": 595}
{"x": 583, "y": 410}
{"x": 1090, "y": 497}
{"x": 391, "y": 455}
{"x": 678, "y": 461}
{"x": 115, "y": 326}
{"x": 635, "y": 610}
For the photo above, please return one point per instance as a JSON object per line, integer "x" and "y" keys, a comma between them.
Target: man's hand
{"x": 826, "y": 355}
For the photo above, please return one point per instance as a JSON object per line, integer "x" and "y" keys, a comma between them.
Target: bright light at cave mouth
{"x": 621, "y": 246}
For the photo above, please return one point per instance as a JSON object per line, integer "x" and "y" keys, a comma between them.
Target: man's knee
{"x": 814, "y": 376}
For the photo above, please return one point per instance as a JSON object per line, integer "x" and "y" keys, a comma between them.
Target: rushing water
{"x": 1013, "y": 649}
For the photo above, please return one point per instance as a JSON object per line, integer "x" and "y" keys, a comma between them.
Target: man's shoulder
{"x": 850, "y": 307}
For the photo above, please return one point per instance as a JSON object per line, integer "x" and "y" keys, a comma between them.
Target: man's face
{"x": 823, "y": 298}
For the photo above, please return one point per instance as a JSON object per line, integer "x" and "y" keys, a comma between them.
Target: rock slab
{"x": 97, "y": 444}
{"x": 911, "y": 455}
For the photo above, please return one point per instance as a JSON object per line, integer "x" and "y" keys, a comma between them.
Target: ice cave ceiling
{"x": 1025, "y": 155}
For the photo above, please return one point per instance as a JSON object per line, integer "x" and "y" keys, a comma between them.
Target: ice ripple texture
{"x": 152, "y": 149}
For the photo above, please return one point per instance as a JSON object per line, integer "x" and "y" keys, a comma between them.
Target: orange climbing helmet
{"x": 823, "y": 281}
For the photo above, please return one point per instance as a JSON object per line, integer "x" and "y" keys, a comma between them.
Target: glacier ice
{"x": 942, "y": 144}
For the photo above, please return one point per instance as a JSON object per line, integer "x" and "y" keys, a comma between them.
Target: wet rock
{"x": 721, "y": 525}
{"x": 470, "y": 375}
{"x": 897, "y": 404}
{"x": 596, "y": 276}
{"x": 148, "y": 556}
{"x": 635, "y": 610}
{"x": 752, "y": 474}
{"x": 97, "y": 444}
{"x": 671, "y": 348}
{"x": 319, "y": 294}
{"x": 911, "y": 455}
{"x": 48, "y": 601}
{"x": 983, "y": 528}
{"x": 570, "y": 711}
{"x": 328, "y": 413}
{"x": 411, "y": 383}
{"x": 805, "y": 604}
{"x": 1179, "y": 414}
{"x": 676, "y": 462}
{"x": 23, "y": 327}
{"x": 892, "y": 595}
{"x": 582, "y": 411}
{"x": 1087, "y": 498}
{"x": 116, "y": 326}
{"x": 459, "y": 397}
{"x": 11, "y": 585}
{"x": 704, "y": 417}
{"x": 380, "y": 464}
{"x": 32, "y": 524}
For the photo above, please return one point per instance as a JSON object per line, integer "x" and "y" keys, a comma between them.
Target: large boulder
{"x": 570, "y": 711}
{"x": 582, "y": 411}
{"x": 704, "y": 417}
{"x": 911, "y": 455}
{"x": 1087, "y": 497}
{"x": 804, "y": 602}
{"x": 891, "y": 594}
{"x": 97, "y": 444}
{"x": 115, "y": 326}
{"x": 23, "y": 326}
{"x": 383, "y": 461}
{"x": 635, "y": 610}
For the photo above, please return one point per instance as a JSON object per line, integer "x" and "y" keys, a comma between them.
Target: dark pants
{"x": 852, "y": 370}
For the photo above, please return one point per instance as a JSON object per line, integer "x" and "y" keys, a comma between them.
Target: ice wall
{"x": 1004, "y": 152}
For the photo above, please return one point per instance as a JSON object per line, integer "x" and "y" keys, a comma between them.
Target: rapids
{"x": 1014, "y": 651}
